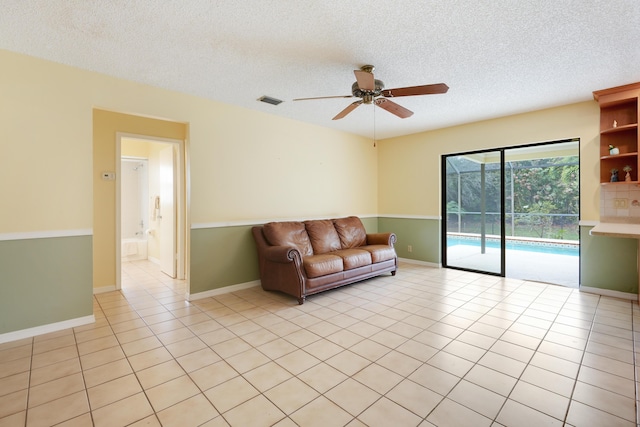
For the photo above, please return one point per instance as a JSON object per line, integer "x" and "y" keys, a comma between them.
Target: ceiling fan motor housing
{"x": 367, "y": 95}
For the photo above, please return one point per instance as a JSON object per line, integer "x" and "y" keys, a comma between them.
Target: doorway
{"x": 151, "y": 205}
{"x": 514, "y": 212}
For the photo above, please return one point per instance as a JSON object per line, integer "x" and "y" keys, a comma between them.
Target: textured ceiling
{"x": 499, "y": 57}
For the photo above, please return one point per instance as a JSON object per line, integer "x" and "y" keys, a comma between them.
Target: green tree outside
{"x": 545, "y": 197}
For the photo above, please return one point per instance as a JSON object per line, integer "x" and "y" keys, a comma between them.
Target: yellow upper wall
{"x": 261, "y": 166}
{"x": 409, "y": 166}
{"x": 45, "y": 141}
{"x": 244, "y": 164}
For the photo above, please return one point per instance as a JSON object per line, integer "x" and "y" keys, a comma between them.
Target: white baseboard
{"x": 103, "y": 289}
{"x": 46, "y": 329}
{"x": 425, "y": 263}
{"x": 224, "y": 290}
{"x": 609, "y": 293}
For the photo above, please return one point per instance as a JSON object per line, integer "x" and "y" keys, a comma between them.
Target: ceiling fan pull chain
{"x": 374, "y": 127}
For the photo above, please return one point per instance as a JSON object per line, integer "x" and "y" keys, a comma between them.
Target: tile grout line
{"x": 405, "y": 377}
{"x": 26, "y": 409}
{"x": 381, "y": 395}
{"x": 84, "y": 381}
{"x": 584, "y": 351}
{"x": 155, "y": 335}
{"x": 475, "y": 363}
{"x": 635, "y": 360}
{"x": 163, "y": 345}
{"x": 486, "y": 351}
{"x": 239, "y": 374}
{"x": 534, "y": 350}
{"x": 580, "y": 365}
{"x": 126, "y": 358}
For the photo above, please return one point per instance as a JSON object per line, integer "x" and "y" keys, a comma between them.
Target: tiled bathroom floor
{"x": 426, "y": 347}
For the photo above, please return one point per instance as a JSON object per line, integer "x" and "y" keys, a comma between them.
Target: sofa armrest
{"x": 282, "y": 254}
{"x": 381, "y": 239}
{"x": 280, "y": 267}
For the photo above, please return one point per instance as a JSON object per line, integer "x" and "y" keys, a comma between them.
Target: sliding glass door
{"x": 542, "y": 206}
{"x": 514, "y": 212}
{"x": 474, "y": 218}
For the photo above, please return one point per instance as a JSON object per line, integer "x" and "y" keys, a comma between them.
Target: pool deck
{"x": 526, "y": 265}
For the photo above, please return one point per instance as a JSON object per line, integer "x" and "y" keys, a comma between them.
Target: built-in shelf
{"x": 633, "y": 126}
{"x": 619, "y": 128}
{"x": 618, "y": 156}
{"x": 619, "y": 182}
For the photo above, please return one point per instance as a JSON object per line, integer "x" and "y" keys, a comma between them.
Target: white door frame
{"x": 182, "y": 200}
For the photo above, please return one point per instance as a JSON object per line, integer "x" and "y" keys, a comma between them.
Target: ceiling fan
{"x": 371, "y": 91}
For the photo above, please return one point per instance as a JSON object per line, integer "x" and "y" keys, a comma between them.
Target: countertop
{"x": 616, "y": 229}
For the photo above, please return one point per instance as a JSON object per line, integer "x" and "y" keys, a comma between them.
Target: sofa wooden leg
{"x": 301, "y": 300}
{"x": 393, "y": 273}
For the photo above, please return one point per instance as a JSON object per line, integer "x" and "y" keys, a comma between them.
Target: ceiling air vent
{"x": 270, "y": 100}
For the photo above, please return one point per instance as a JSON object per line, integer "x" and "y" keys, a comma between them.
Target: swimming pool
{"x": 518, "y": 245}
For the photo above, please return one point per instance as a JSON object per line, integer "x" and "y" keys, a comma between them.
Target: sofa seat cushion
{"x": 323, "y": 236}
{"x": 380, "y": 253}
{"x": 288, "y": 233}
{"x": 322, "y": 264}
{"x": 351, "y": 231}
{"x": 354, "y": 258}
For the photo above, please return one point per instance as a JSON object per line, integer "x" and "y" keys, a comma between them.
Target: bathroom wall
{"x": 151, "y": 151}
{"x": 134, "y": 198}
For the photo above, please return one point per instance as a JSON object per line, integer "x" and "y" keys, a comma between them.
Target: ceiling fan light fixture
{"x": 270, "y": 100}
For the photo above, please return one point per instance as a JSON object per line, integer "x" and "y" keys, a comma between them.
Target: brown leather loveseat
{"x": 304, "y": 258}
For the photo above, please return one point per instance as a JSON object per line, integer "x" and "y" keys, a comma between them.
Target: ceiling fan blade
{"x": 324, "y": 97}
{"x": 416, "y": 90}
{"x": 365, "y": 80}
{"x": 393, "y": 108}
{"x": 347, "y": 110}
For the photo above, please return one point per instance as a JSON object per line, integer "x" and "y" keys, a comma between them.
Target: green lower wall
{"x": 49, "y": 280}
{"x": 370, "y": 224}
{"x": 44, "y": 281}
{"x": 608, "y": 262}
{"x": 423, "y": 235}
{"x": 222, "y": 256}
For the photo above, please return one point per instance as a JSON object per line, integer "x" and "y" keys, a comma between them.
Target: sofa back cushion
{"x": 288, "y": 233}
{"x": 351, "y": 231}
{"x": 323, "y": 235}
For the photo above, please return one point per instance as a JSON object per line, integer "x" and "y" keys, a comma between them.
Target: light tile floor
{"x": 426, "y": 347}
